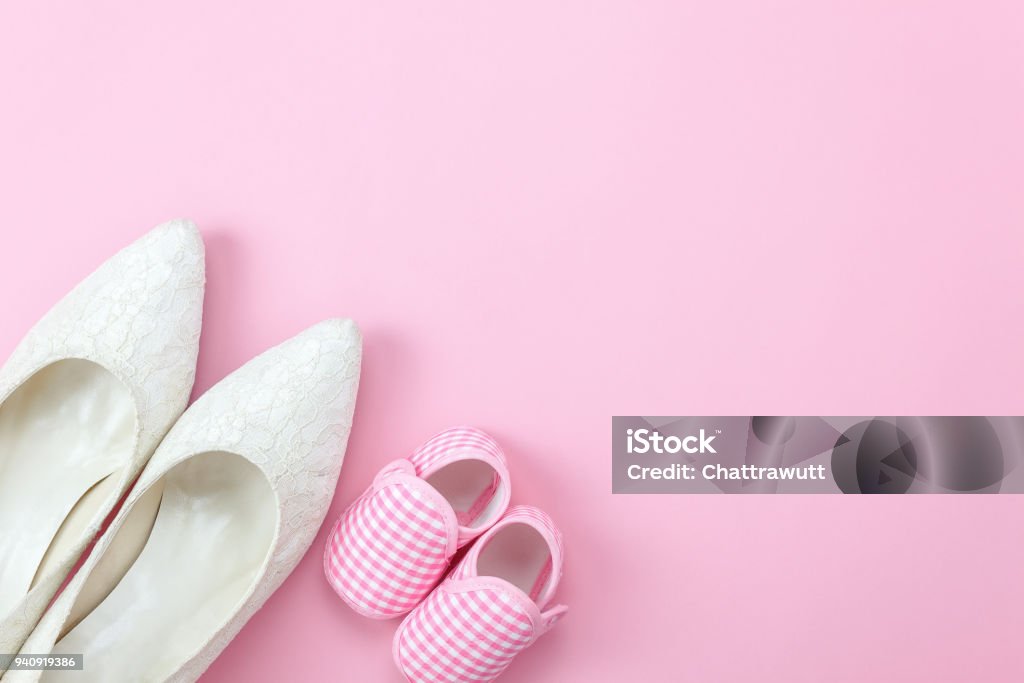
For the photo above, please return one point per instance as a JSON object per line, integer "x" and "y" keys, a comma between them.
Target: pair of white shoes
{"x": 230, "y": 495}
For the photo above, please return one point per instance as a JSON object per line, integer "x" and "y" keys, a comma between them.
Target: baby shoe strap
{"x": 550, "y": 617}
{"x": 451, "y": 445}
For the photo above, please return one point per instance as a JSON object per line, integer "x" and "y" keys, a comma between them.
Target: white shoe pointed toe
{"x": 84, "y": 400}
{"x": 246, "y": 477}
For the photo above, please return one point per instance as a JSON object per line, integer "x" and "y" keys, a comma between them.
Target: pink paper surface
{"x": 543, "y": 214}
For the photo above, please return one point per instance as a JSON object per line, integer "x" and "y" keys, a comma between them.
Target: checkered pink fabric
{"x": 472, "y": 626}
{"x": 394, "y": 543}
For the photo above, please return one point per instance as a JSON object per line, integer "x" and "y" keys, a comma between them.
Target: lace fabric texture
{"x": 289, "y": 411}
{"x": 138, "y": 316}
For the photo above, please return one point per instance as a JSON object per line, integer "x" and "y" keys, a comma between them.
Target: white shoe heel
{"x": 248, "y": 473}
{"x": 84, "y": 400}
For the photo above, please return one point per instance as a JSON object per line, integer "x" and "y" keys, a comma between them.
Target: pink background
{"x": 543, "y": 214}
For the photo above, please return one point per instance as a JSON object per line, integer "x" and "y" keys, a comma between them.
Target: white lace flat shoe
{"x": 246, "y": 476}
{"x": 84, "y": 400}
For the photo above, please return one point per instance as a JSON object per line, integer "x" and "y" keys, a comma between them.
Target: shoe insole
{"x": 120, "y": 556}
{"x": 212, "y": 534}
{"x": 62, "y": 434}
{"x": 520, "y": 555}
{"x": 469, "y": 486}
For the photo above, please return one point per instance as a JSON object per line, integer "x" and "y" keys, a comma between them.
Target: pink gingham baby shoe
{"x": 492, "y": 606}
{"x": 394, "y": 543}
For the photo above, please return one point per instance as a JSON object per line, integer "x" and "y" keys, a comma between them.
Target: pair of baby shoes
{"x": 388, "y": 551}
